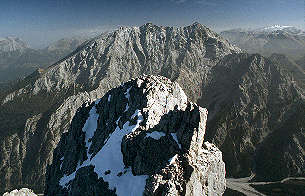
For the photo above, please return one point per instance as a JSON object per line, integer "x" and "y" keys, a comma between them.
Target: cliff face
{"x": 37, "y": 110}
{"x": 256, "y": 118}
{"x": 143, "y": 137}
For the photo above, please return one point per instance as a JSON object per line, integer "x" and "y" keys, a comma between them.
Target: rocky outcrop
{"x": 183, "y": 54}
{"x": 21, "y": 192}
{"x": 142, "y": 138}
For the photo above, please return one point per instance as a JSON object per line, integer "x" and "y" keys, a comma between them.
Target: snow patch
{"x": 117, "y": 121}
{"x": 174, "y": 135}
{"x": 155, "y": 135}
{"x": 97, "y": 101}
{"x": 61, "y": 159}
{"x": 64, "y": 181}
{"x": 90, "y": 127}
{"x": 109, "y": 98}
{"x": 127, "y": 94}
{"x": 127, "y": 107}
{"x": 110, "y": 158}
{"x": 276, "y": 27}
{"x": 173, "y": 159}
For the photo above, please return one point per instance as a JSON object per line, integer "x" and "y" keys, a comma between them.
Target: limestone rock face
{"x": 142, "y": 138}
{"x": 256, "y": 118}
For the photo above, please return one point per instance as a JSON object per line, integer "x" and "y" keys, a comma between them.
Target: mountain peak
{"x": 148, "y": 24}
{"x": 280, "y": 28}
{"x": 152, "y": 140}
{"x": 9, "y": 44}
{"x": 196, "y": 24}
{"x": 146, "y": 49}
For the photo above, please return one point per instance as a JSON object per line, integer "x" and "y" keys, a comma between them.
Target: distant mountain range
{"x": 274, "y": 29}
{"x": 11, "y": 44}
{"x": 17, "y": 60}
{"x": 286, "y": 40}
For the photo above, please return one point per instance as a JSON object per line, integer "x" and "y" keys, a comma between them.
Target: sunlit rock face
{"x": 21, "y": 192}
{"x": 142, "y": 138}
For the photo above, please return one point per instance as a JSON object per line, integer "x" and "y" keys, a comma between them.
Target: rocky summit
{"x": 141, "y": 138}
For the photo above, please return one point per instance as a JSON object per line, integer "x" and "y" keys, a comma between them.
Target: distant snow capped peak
{"x": 9, "y": 44}
{"x": 284, "y": 28}
{"x": 276, "y": 27}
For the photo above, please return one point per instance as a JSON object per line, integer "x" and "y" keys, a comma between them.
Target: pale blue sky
{"x": 40, "y": 22}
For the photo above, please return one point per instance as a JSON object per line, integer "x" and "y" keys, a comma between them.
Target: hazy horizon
{"x": 39, "y": 23}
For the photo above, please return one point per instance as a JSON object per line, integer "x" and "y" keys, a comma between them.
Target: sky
{"x": 42, "y": 22}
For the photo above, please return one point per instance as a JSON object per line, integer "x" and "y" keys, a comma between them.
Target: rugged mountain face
{"x": 256, "y": 118}
{"x": 301, "y": 62}
{"x": 142, "y": 138}
{"x": 11, "y": 44}
{"x": 295, "y": 68}
{"x": 37, "y": 110}
{"x": 19, "y": 61}
{"x": 277, "y": 39}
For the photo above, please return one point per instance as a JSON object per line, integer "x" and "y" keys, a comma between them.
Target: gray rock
{"x": 145, "y": 128}
{"x": 256, "y": 118}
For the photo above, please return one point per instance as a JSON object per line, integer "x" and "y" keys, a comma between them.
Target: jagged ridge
{"x": 142, "y": 138}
